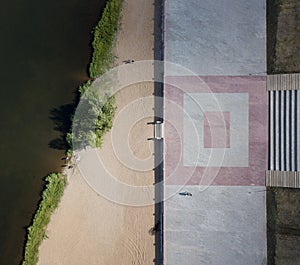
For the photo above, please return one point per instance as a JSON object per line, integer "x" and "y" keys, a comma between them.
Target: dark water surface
{"x": 45, "y": 49}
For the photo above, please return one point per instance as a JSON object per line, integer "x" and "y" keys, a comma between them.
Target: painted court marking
{"x": 195, "y": 106}
{"x": 187, "y": 159}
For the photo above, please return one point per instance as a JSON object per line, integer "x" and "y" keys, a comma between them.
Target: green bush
{"x": 37, "y": 231}
{"x": 98, "y": 112}
{"x": 93, "y": 119}
{"x": 104, "y": 36}
{"x": 83, "y": 88}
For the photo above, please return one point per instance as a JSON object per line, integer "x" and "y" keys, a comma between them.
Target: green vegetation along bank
{"x": 37, "y": 231}
{"x": 104, "y": 37}
{"x": 101, "y": 109}
{"x": 102, "y": 112}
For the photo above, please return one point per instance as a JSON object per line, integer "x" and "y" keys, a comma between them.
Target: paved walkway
{"x": 216, "y": 127}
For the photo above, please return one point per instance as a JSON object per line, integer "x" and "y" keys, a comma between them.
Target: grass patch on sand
{"x": 37, "y": 231}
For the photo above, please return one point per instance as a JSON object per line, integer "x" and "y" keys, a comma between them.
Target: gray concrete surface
{"x": 217, "y": 37}
{"x": 195, "y": 106}
{"x": 222, "y": 225}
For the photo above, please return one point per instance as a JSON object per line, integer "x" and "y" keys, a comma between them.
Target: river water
{"x": 45, "y": 50}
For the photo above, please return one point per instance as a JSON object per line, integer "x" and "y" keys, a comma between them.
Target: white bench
{"x": 158, "y": 130}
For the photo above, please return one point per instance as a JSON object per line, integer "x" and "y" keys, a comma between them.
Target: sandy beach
{"x": 87, "y": 228}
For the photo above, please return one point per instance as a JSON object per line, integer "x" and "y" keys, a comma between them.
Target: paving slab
{"x": 187, "y": 159}
{"x": 217, "y": 37}
{"x": 217, "y": 225}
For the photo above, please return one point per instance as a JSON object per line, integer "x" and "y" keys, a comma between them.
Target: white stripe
{"x": 287, "y": 130}
{"x": 271, "y": 140}
{"x": 293, "y": 130}
{"x": 276, "y": 167}
{"x": 298, "y": 128}
{"x": 282, "y": 130}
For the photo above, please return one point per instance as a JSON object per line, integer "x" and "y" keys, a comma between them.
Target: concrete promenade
{"x": 216, "y": 131}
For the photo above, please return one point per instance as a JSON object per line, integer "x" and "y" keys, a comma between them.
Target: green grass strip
{"x": 37, "y": 231}
{"x": 104, "y": 37}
